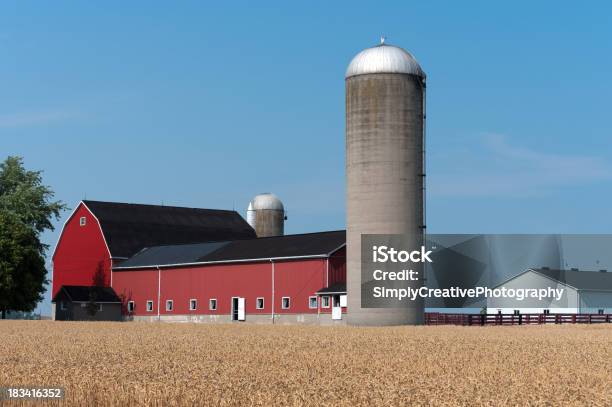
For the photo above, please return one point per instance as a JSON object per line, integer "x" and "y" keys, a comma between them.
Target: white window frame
{"x": 193, "y": 304}
{"x": 150, "y": 308}
{"x": 325, "y": 299}
{"x": 131, "y": 306}
{"x": 288, "y": 302}
{"x": 210, "y": 304}
{"x": 82, "y": 221}
{"x": 316, "y": 302}
{"x": 263, "y": 303}
{"x": 171, "y": 303}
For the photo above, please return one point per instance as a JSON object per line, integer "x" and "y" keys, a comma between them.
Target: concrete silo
{"x": 266, "y": 214}
{"x": 385, "y": 117}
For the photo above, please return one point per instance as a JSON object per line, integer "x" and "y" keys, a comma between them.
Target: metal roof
{"x": 580, "y": 280}
{"x": 172, "y": 254}
{"x": 266, "y": 201}
{"x": 308, "y": 245}
{"x": 129, "y": 228}
{"x": 384, "y": 58}
{"x": 337, "y": 288}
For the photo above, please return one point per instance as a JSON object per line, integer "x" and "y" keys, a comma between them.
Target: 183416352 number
{"x": 31, "y": 393}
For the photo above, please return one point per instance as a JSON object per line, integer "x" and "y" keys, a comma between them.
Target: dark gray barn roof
{"x": 128, "y": 228}
{"x": 333, "y": 289}
{"x": 581, "y": 280}
{"x": 303, "y": 245}
{"x": 80, "y": 293}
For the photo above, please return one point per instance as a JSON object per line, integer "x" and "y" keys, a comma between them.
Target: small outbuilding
{"x": 82, "y": 303}
{"x": 583, "y": 292}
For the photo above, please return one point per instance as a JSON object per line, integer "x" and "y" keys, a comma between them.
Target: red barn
{"x": 100, "y": 235}
{"x": 184, "y": 264}
{"x": 269, "y": 280}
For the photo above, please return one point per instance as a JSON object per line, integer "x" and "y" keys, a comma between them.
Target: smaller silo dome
{"x": 266, "y": 214}
{"x": 266, "y": 201}
{"x": 384, "y": 58}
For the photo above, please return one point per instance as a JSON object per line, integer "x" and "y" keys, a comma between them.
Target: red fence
{"x": 435, "y": 318}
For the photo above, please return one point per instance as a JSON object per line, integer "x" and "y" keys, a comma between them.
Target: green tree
{"x": 26, "y": 210}
{"x": 22, "y": 266}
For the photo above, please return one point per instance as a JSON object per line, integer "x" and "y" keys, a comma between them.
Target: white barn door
{"x": 241, "y": 314}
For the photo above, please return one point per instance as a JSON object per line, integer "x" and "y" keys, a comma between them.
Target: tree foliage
{"x": 26, "y": 210}
{"x": 22, "y": 265}
{"x": 23, "y": 194}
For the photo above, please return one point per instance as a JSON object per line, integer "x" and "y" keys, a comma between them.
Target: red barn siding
{"x": 296, "y": 279}
{"x": 216, "y": 281}
{"x": 337, "y": 267}
{"x": 79, "y": 252}
{"x": 138, "y": 286}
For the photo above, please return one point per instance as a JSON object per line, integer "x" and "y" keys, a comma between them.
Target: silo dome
{"x": 384, "y": 58}
{"x": 266, "y": 201}
{"x": 266, "y": 214}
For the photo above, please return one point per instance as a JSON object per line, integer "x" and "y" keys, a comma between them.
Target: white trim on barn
{"x": 261, "y": 259}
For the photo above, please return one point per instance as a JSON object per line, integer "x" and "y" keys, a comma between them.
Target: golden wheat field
{"x": 123, "y": 364}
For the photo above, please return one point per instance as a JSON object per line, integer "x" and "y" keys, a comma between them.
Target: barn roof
{"x": 337, "y": 288}
{"x": 128, "y": 228}
{"x": 319, "y": 244}
{"x": 80, "y": 293}
{"x": 581, "y": 280}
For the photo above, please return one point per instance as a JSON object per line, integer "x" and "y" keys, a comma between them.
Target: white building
{"x": 584, "y": 292}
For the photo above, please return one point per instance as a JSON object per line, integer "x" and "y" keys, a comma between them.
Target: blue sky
{"x": 203, "y": 104}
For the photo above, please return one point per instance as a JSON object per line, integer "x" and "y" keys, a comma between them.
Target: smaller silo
{"x": 266, "y": 214}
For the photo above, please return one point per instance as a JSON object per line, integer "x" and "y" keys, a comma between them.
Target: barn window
{"x": 600, "y": 311}
{"x": 212, "y": 304}
{"x": 286, "y": 303}
{"x": 130, "y": 306}
{"x": 63, "y": 306}
{"x": 169, "y": 305}
{"x": 193, "y": 305}
{"x": 517, "y": 312}
{"x": 312, "y": 302}
{"x": 546, "y": 311}
{"x": 325, "y": 300}
{"x": 99, "y": 307}
{"x": 149, "y": 306}
{"x": 260, "y": 303}
{"x": 83, "y": 221}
